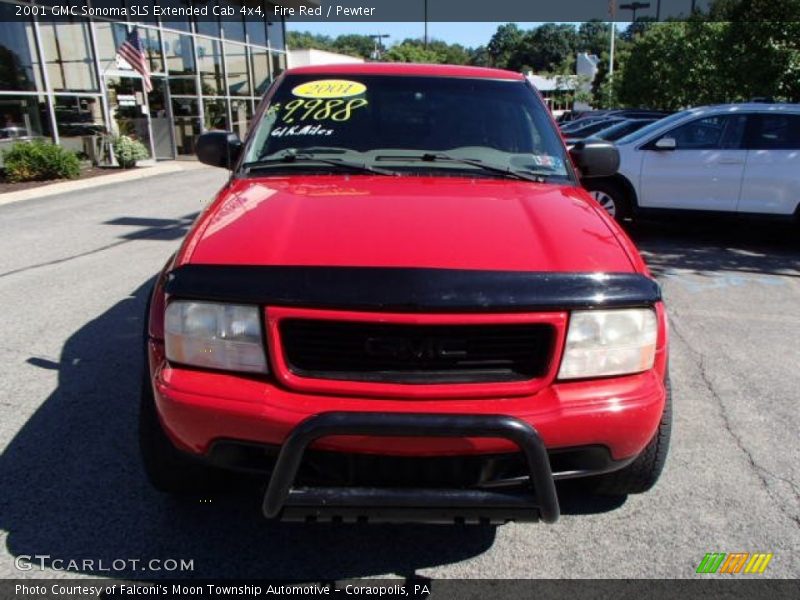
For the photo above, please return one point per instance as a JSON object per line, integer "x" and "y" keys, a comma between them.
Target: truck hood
{"x": 374, "y": 221}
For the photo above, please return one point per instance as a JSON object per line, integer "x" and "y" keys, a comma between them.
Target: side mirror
{"x": 595, "y": 158}
{"x": 666, "y": 143}
{"x": 219, "y": 148}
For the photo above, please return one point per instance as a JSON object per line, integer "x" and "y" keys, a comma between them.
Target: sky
{"x": 466, "y": 34}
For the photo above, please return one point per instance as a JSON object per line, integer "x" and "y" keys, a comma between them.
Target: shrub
{"x": 39, "y": 161}
{"x": 129, "y": 150}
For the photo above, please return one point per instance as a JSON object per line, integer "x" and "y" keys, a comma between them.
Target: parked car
{"x": 621, "y": 129}
{"x": 731, "y": 158}
{"x": 620, "y": 113}
{"x": 609, "y": 130}
{"x": 573, "y": 115}
{"x": 638, "y": 113}
{"x": 403, "y": 305}
{"x": 579, "y": 123}
{"x": 590, "y": 127}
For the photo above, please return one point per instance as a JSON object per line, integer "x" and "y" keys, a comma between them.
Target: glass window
{"x": 152, "y": 46}
{"x": 186, "y": 113}
{"x": 275, "y": 30}
{"x": 180, "y": 23}
{"x": 209, "y": 24}
{"x": 256, "y": 30}
{"x": 259, "y": 59}
{"x": 19, "y": 61}
{"x": 209, "y": 64}
{"x": 80, "y": 124}
{"x": 242, "y": 111}
{"x": 180, "y": 63}
{"x": 703, "y": 134}
{"x": 216, "y": 114}
{"x": 68, "y": 55}
{"x": 775, "y": 132}
{"x": 23, "y": 117}
{"x": 647, "y": 130}
{"x": 233, "y": 25}
{"x": 110, "y": 36}
{"x": 238, "y": 76}
{"x": 500, "y": 122}
{"x": 278, "y": 63}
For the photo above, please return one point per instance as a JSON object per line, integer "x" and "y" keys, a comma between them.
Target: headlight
{"x": 609, "y": 342}
{"x": 218, "y": 336}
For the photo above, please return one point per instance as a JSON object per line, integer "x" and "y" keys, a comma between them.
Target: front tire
{"x": 643, "y": 473}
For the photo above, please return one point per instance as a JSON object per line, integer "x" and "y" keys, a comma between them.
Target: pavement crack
{"x": 760, "y": 472}
{"x": 59, "y": 261}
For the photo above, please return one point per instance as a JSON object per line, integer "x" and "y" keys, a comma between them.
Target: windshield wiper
{"x": 442, "y": 157}
{"x": 291, "y": 155}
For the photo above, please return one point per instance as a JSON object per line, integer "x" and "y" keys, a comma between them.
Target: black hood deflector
{"x": 410, "y": 289}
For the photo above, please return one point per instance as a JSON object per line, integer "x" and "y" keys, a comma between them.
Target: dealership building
{"x": 61, "y": 78}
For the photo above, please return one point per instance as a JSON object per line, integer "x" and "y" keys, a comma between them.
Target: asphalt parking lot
{"x": 74, "y": 270}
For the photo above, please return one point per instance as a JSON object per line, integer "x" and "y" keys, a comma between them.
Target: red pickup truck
{"x": 402, "y": 306}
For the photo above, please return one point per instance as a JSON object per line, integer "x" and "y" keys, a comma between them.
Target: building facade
{"x": 559, "y": 92}
{"x": 61, "y": 79}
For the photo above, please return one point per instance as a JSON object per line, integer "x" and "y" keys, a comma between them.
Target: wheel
{"x": 643, "y": 473}
{"x": 167, "y": 468}
{"x": 611, "y": 197}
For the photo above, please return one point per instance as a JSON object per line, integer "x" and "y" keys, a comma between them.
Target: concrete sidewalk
{"x": 121, "y": 176}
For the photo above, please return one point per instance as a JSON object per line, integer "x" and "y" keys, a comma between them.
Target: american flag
{"x": 132, "y": 50}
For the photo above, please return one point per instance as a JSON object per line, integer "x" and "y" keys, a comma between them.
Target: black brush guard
{"x": 283, "y": 501}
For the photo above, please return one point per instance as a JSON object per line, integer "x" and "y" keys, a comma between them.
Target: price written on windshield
{"x": 318, "y": 109}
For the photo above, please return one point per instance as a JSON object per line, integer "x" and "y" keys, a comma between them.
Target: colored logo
{"x": 329, "y": 88}
{"x": 736, "y": 562}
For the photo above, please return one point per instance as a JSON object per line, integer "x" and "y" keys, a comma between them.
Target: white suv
{"x": 736, "y": 158}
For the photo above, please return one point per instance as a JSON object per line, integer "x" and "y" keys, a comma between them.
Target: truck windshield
{"x": 409, "y": 125}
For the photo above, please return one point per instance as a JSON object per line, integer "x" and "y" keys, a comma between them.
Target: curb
{"x": 63, "y": 187}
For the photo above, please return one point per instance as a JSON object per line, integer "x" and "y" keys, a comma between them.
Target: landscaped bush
{"x": 39, "y": 161}
{"x": 128, "y": 151}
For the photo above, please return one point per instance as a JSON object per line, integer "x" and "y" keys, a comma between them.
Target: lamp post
{"x": 633, "y": 7}
{"x": 612, "y": 9}
{"x": 426, "y": 24}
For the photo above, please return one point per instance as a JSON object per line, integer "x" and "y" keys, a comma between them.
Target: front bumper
{"x": 199, "y": 408}
{"x": 283, "y": 500}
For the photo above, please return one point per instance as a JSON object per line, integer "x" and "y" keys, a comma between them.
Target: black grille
{"x": 398, "y": 353}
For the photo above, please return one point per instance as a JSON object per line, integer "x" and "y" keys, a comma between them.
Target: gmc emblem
{"x": 401, "y": 348}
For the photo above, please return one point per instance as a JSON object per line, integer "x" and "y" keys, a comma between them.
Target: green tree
{"x": 479, "y": 57}
{"x": 451, "y": 54}
{"x": 412, "y": 53}
{"x": 305, "y": 39}
{"x": 760, "y": 49}
{"x": 639, "y": 27}
{"x": 354, "y": 44}
{"x": 545, "y": 48}
{"x": 675, "y": 65}
{"x": 593, "y": 37}
{"x": 505, "y": 42}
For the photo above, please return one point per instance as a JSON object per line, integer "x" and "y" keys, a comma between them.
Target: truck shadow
{"x": 74, "y": 490}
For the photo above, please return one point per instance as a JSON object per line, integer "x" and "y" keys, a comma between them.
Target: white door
{"x": 702, "y": 172}
{"x": 772, "y": 172}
